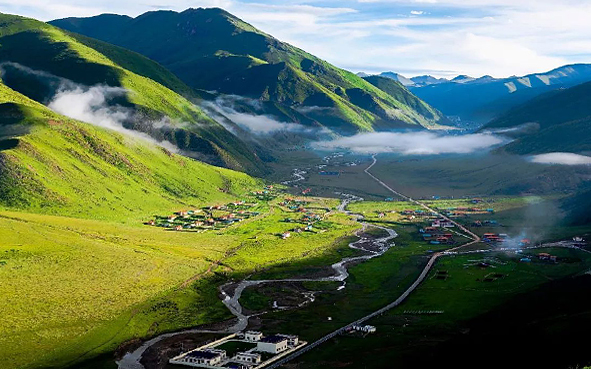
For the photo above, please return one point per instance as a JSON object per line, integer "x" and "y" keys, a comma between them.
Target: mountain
{"x": 212, "y": 50}
{"x": 462, "y": 79}
{"x": 482, "y": 99}
{"x": 44, "y": 62}
{"x": 398, "y": 77}
{"x": 563, "y": 120}
{"x": 426, "y": 80}
{"x": 393, "y": 88}
{"x": 54, "y": 164}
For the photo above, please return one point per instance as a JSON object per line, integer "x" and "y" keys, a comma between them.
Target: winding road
{"x": 232, "y": 299}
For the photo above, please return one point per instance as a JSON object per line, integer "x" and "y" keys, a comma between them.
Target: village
{"x": 214, "y": 217}
{"x": 245, "y": 350}
{"x": 308, "y": 218}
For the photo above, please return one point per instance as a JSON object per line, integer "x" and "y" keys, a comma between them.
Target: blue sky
{"x": 412, "y": 37}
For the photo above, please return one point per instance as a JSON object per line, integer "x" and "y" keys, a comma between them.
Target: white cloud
{"x": 445, "y": 37}
{"x": 412, "y": 143}
{"x": 562, "y": 158}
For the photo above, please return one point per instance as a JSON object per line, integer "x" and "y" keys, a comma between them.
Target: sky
{"x": 443, "y": 38}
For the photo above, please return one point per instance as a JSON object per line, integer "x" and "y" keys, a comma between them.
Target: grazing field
{"x": 371, "y": 285}
{"x": 408, "y": 335}
{"x": 104, "y": 283}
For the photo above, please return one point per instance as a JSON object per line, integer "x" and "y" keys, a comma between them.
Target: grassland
{"x": 114, "y": 281}
{"x": 406, "y": 338}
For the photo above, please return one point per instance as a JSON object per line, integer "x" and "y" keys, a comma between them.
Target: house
{"x": 525, "y": 260}
{"x": 544, "y": 256}
{"x": 178, "y": 228}
{"x": 292, "y": 340}
{"x": 272, "y": 344}
{"x": 285, "y": 235}
{"x": 152, "y": 222}
{"x": 308, "y": 228}
{"x": 381, "y": 215}
{"x": 253, "y": 336}
{"x": 248, "y": 357}
{"x": 209, "y": 357}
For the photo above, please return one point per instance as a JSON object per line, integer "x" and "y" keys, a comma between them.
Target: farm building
{"x": 272, "y": 344}
{"x": 291, "y": 339}
{"x": 209, "y": 357}
{"x": 248, "y": 357}
{"x": 253, "y": 336}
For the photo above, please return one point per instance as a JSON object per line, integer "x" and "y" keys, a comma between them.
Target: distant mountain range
{"x": 212, "y": 50}
{"x": 482, "y": 99}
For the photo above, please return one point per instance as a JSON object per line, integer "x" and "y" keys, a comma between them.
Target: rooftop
{"x": 203, "y": 354}
{"x": 273, "y": 339}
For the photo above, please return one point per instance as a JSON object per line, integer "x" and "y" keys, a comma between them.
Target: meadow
{"x": 79, "y": 288}
{"x": 406, "y": 337}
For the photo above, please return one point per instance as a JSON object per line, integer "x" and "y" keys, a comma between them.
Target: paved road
{"x": 232, "y": 301}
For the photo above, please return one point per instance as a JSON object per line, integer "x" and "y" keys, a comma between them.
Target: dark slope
{"x": 210, "y": 49}
{"x": 54, "y": 56}
{"x": 564, "y": 119}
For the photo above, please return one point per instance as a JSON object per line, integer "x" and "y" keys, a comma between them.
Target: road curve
{"x": 405, "y": 294}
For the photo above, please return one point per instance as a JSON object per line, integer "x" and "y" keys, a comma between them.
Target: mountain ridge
{"x": 210, "y": 49}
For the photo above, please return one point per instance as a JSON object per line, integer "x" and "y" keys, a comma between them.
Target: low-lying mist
{"x": 96, "y": 105}
{"x": 561, "y": 158}
{"x": 413, "y": 143}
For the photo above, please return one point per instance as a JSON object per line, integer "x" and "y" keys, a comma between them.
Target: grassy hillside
{"x": 564, "y": 119}
{"x": 211, "y": 49}
{"x": 55, "y": 165}
{"x": 87, "y": 62}
{"x": 81, "y": 273}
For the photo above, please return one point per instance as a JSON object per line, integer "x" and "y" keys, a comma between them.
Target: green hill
{"x": 210, "y": 49}
{"x": 54, "y": 165}
{"x": 152, "y": 92}
{"x": 564, "y": 119}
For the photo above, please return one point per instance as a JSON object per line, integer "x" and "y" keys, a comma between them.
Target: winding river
{"x": 371, "y": 248}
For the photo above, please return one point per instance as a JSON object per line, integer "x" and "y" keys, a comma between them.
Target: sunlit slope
{"x": 211, "y": 49}
{"x": 88, "y": 62}
{"x": 55, "y": 165}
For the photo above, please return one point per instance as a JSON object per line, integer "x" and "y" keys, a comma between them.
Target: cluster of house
{"x": 218, "y": 216}
{"x": 213, "y": 357}
{"x": 307, "y": 220}
{"x": 541, "y": 256}
{"x": 466, "y": 211}
{"x": 437, "y": 236}
{"x": 442, "y": 223}
{"x": 266, "y": 194}
{"x": 485, "y": 223}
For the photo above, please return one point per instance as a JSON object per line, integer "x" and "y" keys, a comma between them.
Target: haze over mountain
{"x": 482, "y": 99}
{"x": 212, "y": 50}
{"x": 44, "y": 63}
{"x": 54, "y": 164}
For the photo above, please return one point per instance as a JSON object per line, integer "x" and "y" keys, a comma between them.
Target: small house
{"x": 285, "y": 235}
{"x": 272, "y": 344}
{"x": 248, "y": 357}
{"x": 253, "y": 336}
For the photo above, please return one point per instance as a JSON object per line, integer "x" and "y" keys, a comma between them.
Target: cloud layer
{"x": 562, "y": 158}
{"x": 412, "y": 143}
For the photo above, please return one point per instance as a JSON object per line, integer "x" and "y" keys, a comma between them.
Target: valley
{"x": 181, "y": 188}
